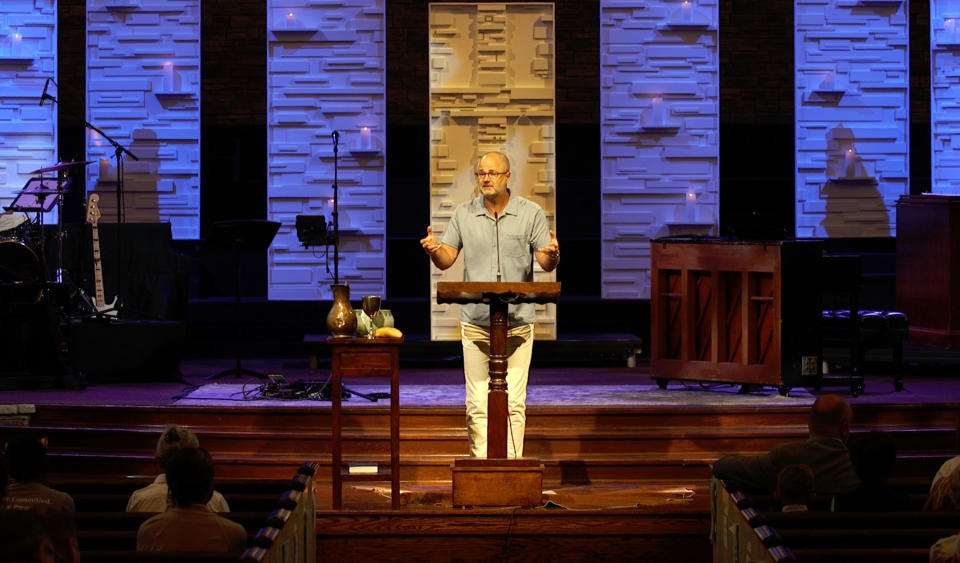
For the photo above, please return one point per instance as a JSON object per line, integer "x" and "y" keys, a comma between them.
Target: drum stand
{"x": 36, "y": 197}
{"x": 41, "y": 195}
{"x": 42, "y": 207}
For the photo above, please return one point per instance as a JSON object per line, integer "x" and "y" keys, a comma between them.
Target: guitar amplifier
{"x": 127, "y": 351}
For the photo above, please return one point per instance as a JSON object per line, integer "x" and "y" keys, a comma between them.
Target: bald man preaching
{"x": 495, "y": 220}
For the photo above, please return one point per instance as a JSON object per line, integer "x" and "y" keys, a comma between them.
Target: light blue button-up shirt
{"x": 523, "y": 229}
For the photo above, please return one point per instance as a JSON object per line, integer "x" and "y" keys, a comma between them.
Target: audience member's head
{"x": 24, "y": 538}
{"x": 873, "y": 455}
{"x": 830, "y": 417}
{"x": 795, "y": 485}
{"x": 953, "y": 488}
{"x": 173, "y": 439}
{"x": 190, "y": 476}
{"x": 945, "y": 492}
{"x": 946, "y": 550}
{"x": 27, "y": 460}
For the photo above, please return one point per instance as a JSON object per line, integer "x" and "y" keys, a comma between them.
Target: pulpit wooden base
{"x": 497, "y": 482}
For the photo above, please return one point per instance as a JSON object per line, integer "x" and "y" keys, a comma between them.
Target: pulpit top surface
{"x": 483, "y": 292}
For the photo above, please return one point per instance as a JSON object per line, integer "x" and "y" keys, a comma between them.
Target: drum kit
{"x": 22, "y": 271}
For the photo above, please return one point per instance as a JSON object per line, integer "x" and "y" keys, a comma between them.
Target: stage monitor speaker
{"x": 126, "y": 351}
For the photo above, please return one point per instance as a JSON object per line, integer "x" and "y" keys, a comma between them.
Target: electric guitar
{"x": 93, "y": 215}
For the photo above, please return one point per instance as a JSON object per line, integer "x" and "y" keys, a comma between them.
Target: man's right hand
{"x": 442, "y": 255}
{"x": 429, "y": 243}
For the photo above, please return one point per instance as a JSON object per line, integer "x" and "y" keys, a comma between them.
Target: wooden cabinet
{"x": 736, "y": 312}
{"x": 928, "y": 267}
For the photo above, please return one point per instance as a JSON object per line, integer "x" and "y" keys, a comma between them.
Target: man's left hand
{"x": 552, "y": 249}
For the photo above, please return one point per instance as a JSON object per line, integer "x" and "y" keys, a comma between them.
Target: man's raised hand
{"x": 429, "y": 243}
{"x": 553, "y": 248}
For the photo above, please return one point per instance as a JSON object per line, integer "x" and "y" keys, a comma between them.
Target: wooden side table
{"x": 365, "y": 357}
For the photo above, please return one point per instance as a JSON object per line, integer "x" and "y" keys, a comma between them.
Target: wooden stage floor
{"x": 931, "y": 376}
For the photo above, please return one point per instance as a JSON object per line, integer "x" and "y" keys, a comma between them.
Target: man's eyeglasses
{"x": 491, "y": 174}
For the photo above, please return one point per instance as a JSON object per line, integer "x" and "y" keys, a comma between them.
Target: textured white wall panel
{"x": 28, "y": 56}
{"x": 326, "y": 72}
{"x": 659, "y": 84}
{"x": 852, "y": 116}
{"x": 491, "y": 89}
{"x": 143, "y": 90}
{"x": 945, "y": 95}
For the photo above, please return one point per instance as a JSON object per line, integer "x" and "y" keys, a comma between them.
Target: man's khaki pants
{"x": 476, "y": 359}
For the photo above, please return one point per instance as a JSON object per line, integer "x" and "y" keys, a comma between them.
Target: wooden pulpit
{"x": 496, "y": 480}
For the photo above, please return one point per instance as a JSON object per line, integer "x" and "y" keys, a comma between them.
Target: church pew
{"x": 251, "y": 521}
{"x": 125, "y": 556}
{"x": 111, "y": 536}
{"x": 910, "y": 502}
{"x": 112, "y": 501}
{"x": 864, "y": 555}
{"x": 741, "y": 532}
{"x": 862, "y": 520}
{"x": 129, "y": 484}
{"x": 291, "y": 534}
{"x": 110, "y": 494}
{"x": 113, "y": 540}
{"x": 846, "y": 538}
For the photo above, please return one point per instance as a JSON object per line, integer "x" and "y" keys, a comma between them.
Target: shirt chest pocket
{"x": 515, "y": 245}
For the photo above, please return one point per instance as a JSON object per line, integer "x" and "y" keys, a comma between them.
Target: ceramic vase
{"x": 341, "y": 320}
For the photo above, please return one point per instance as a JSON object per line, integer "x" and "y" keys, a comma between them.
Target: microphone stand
{"x": 336, "y": 211}
{"x": 119, "y": 151}
{"x": 58, "y": 275}
{"x": 496, "y": 226}
{"x": 344, "y": 390}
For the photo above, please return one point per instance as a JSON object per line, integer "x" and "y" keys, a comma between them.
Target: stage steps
{"x": 576, "y": 445}
{"x": 449, "y": 441}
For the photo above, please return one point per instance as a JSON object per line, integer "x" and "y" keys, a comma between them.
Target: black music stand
{"x": 38, "y": 194}
{"x": 248, "y": 235}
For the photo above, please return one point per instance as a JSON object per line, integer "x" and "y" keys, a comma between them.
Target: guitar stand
{"x": 248, "y": 235}
{"x": 96, "y": 316}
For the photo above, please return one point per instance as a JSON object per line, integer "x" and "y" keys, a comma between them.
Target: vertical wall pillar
{"x": 326, "y": 72}
{"x": 944, "y": 96}
{"x": 491, "y": 89}
{"x": 659, "y": 81}
{"x": 852, "y": 103}
{"x": 28, "y": 55}
{"x": 143, "y": 90}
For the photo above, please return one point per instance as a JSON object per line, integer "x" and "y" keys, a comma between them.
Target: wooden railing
{"x": 290, "y": 535}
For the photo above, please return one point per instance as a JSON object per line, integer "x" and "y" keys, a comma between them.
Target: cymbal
{"x": 61, "y": 166}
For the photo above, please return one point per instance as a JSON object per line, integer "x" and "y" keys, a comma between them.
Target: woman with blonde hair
{"x": 155, "y": 496}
